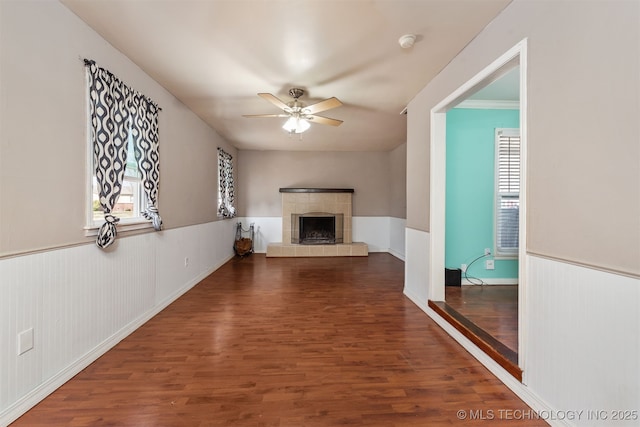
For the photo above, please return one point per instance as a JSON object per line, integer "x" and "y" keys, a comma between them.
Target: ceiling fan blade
{"x": 323, "y": 120}
{"x": 327, "y": 104}
{"x": 264, "y": 115}
{"x": 275, "y": 101}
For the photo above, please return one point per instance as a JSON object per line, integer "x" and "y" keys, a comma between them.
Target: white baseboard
{"x": 490, "y": 281}
{"x": 396, "y": 254}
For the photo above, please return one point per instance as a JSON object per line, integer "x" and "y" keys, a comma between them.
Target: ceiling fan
{"x": 298, "y": 114}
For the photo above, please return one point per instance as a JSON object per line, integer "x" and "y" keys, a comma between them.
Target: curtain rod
{"x": 88, "y": 62}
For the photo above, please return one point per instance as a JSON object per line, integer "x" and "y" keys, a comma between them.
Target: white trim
{"x": 396, "y": 254}
{"x": 487, "y": 104}
{"x": 122, "y": 227}
{"x": 89, "y": 154}
{"x": 437, "y": 203}
{"x": 493, "y": 71}
{"x": 569, "y": 260}
{"x": 516, "y": 55}
{"x": 523, "y": 263}
{"x": 491, "y": 281}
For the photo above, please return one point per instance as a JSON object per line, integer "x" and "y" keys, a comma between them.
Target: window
{"x": 226, "y": 188}
{"x": 124, "y": 157}
{"x": 507, "y": 192}
{"x": 131, "y": 202}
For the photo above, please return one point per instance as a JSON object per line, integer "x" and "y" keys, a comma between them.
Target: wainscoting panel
{"x": 583, "y": 345}
{"x": 397, "y": 236}
{"x": 80, "y": 301}
{"x": 373, "y": 230}
{"x": 267, "y": 230}
{"x": 215, "y": 244}
{"x": 416, "y": 268}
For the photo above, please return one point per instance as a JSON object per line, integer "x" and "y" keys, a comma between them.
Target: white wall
{"x": 81, "y": 301}
{"x": 44, "y": 132}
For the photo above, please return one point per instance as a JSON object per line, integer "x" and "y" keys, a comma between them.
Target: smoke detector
{"x": 407, "y": 41}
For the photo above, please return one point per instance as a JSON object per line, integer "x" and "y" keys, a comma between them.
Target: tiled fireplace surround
{"x": 308, "y": 200}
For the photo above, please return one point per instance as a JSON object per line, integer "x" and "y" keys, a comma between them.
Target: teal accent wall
{"x": 470, "y": 190}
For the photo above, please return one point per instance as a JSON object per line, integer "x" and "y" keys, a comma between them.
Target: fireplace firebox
{"x": 316, "y": 228}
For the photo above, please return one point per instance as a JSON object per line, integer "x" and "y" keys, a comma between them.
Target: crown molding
{"x": 482, "y": 104}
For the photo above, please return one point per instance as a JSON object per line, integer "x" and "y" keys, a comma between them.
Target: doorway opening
{"x": 509, "y": 67}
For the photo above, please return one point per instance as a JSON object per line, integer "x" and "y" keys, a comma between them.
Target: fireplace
{"x": 317, "y": 228}
{"x": 316, "y": 222}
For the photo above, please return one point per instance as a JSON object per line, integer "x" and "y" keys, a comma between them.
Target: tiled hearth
{"x": 319, "y": 200}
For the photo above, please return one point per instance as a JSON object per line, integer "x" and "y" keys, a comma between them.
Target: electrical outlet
{"x": 487, "y": 251}
{"x": 25, "y": 341}
{"x": 489, "y": 264}
{"x": 463, "y": 267}
{"x": 186, "y": 261}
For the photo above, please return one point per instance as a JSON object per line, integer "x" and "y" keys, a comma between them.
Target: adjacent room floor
{"x": 488, "y": 316}
{"x": 493, "y": 308}
{"x": 288, "y": 342}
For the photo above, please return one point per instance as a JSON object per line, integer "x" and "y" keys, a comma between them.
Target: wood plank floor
{"x": 493, "y": 308}
{"x": 287, "y": 342}
{"x": 503, "y": 355}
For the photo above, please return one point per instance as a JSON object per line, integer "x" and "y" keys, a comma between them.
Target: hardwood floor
{"x": 287, "y": 342}
{"x": 488, "y": 316}
{"x": 494, "y": 308}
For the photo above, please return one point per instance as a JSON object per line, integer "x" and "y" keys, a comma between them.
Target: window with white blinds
{"x": 507, "y": 191}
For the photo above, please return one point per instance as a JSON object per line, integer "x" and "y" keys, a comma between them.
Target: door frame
{"x": 517, "y": 55}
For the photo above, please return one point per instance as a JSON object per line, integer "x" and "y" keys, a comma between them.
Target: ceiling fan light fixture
{"x": 296, "y": 125}
{"x": 298, "y": 114}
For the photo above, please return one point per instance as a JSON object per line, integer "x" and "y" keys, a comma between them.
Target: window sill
{"x": 505, "y": 257}
{"x": 122, "y": 227}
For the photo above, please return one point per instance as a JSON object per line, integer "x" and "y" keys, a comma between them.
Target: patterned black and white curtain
{"x": 118, "y": 113}
{"x": 226, "y": 190}
{"x": 145, "y": 136}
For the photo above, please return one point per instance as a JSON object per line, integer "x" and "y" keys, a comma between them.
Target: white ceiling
{"x": 216, "y": 55}
{"x": 506, "y": 88}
